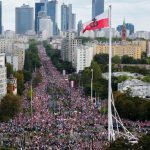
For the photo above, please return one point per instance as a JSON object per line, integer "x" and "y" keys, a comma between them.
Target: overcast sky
{"x": 134, "y": 11}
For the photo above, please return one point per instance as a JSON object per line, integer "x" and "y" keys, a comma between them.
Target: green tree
{"x": 20, "y": 81}
{"x": 146, "y": 79}
{"x": 10, "y": 106}
{"x": 102, "y": 59}
{"x": 116, "y": 60}
{"x": 120, "y": 144}
{"x": 9, "y": 70}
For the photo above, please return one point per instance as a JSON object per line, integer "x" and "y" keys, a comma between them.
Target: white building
{"x": 117, "y": 74}
{"x": 3, "y": 44}
{"x": 3, "y": 77}
{"x": 105, "y": 33}
{"x": 66, "y": 52}
{"x": 141, "y": 34}
{"x": 137, "y": 87}
{"x": 88, "y": 33}
{"x": 45, "y": 27}
{"x": 56, "y": 42}
{"x": 13, "y": 60}
{"x": 83, "y": 55}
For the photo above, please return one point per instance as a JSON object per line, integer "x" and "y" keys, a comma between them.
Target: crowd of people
{"x": 62, "y": 117}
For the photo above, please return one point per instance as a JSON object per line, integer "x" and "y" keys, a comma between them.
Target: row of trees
{"x": 124, "y": 144}
{"x": 100, "y": 85}
{"x": 104, "y": 58}
{"x": 57, "y": 61}
{"x": 132, "y": 108}
{"x": 32, "y": 60}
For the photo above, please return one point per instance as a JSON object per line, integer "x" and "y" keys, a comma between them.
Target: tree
{"x": 10, "y": 106}
{"x": 20, "y": 81}
{"x": 122, "y": 78}
{"x": 127, "y": 59}
{"x": 102, "y": 58}
{"x": 144, "y": 142}
{"x": 116, "y": 60}
{"x": 27, "y": 75}
{"x": 9, "y": 70}
{"x": 37, "y": 79}
{"x": 120, "y": 144}
{"x": 146, "y": 79}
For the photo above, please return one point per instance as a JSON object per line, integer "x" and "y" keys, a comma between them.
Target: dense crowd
{"x": 62, "y": 119}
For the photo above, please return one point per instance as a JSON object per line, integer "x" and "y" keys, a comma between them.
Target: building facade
{"x": 12, "y": 85}
{"x": 83, "y": 56}
{"x": 3, "y": 76}
{"x": 24, "y": 19}
{"x": 52, "y": 11}
{"x": 97, "y": 7}
{"x": 68, "y": 19}
{"x": 38, "y": 7}
{"x": 80, "y": 27}
{"x": 46, "y": 27}
{"x": 0, "y": 17}
{"x": 74, "y": 22}
{"x": 136, "y": 87}
{"x": 120, "y": 50}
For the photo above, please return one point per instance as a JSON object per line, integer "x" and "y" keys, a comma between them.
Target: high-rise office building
{"x": 73, "y": 22}
{"x": 80, "y": 27}
{"x": 24, "y": 19}
{"x": 97, "y": 7}
{"x": 64, "y": 17}
{"x": 68, "y": 20}
{"x": 38, "y": 7}
{"x": 52, "y": 11}
{"x": 0, "y": 17}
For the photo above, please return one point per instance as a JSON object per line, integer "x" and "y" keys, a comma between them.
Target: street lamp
{"x": 92, "y": 86}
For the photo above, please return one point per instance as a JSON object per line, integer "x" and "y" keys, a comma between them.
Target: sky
{"x": 136, "y": 12}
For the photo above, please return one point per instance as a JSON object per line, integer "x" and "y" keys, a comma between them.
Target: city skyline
{"x": 125, "y": 8}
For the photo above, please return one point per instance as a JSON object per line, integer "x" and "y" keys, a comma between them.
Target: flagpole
{"x": 111, "y": 135}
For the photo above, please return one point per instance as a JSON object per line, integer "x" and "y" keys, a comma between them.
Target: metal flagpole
{"x": 111, "y": 135}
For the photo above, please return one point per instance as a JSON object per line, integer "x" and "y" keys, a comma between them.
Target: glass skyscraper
{"x": 52, "y": 11}
{"x": 64, "y": 17}
{"x": 68, "y": 20}
{"x": 80, "y": 27}
{"x": 38, "y": 7}
{"x": 97, "y": 7}
{"x": 0, "y": 17}
{"x": 24, "y": 19}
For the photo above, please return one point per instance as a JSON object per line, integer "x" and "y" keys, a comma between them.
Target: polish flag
{"x": 100, "y": 21}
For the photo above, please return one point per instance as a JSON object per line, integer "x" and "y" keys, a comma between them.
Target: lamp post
{"x": 92, "y": 86}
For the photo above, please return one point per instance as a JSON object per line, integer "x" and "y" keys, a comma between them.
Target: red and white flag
{"x": 99, "y": 22}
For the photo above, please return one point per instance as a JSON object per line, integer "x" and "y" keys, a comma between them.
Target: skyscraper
{"x": 38, "y": 7}
{"x": 24, "y": 19}
{"x": 97, "y": 7}
{"x": 73, "y": 22}
{"x": 80, "y": 27}
{"x": 0, "y": 17}
{"x": 68, "y": 20}
{"x": 52, "y": 11}
{"x": 64, "y": 17}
